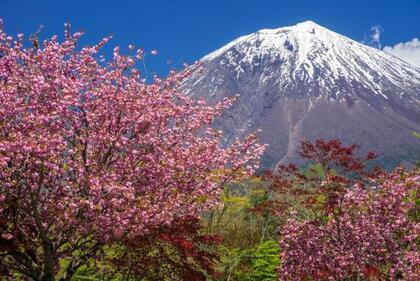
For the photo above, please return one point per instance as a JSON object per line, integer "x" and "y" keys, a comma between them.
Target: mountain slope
{"x": 305, "y": 82}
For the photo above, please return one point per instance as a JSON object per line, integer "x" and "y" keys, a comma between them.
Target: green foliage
{"x": 265, "y": 262}
{"x": 248, "y": 226}
{"x": 234, "y": 264}
{"x": 238, "y": 221}
{"x": 254, "y": 264}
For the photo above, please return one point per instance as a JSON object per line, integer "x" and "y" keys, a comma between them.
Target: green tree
{"x": 265, "y": 261}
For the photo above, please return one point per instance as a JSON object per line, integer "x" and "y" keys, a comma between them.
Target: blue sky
{"x": 184, "y": 31}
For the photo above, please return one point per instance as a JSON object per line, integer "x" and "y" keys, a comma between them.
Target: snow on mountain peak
{"x": 309, "y": 52}
{"x": 307, "y": 25}
{"x": 272, "y": 38}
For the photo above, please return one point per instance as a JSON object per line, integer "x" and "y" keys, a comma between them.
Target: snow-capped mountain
{"x": 305, "y": 82}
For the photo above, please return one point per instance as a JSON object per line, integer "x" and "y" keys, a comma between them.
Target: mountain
{"x": 305, "y": 82}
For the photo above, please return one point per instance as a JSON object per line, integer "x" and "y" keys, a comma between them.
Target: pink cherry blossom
{"x": 89, "y": 153}
{"x": 370, "y": 234}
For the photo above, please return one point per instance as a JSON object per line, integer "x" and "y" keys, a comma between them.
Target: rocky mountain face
{"x": 305, "y": 82}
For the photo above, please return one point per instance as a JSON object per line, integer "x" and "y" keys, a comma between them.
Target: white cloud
{"x": 408, "y": 51}
{"x": 375, "y": 37}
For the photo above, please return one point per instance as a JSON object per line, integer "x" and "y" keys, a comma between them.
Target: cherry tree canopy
{"x": 89, "y": 152}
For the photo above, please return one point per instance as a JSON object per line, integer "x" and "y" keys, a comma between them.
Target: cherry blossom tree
{"x": 90, "y": 153}
{"x": 375, "y": 235}
{"x": 357, "y": 224}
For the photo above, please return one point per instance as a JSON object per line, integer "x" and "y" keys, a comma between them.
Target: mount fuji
{"x": 305, "y": 82}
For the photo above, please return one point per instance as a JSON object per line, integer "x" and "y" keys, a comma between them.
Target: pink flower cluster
{"x": 87, "y": 149}
{"x": 372, "y": 233}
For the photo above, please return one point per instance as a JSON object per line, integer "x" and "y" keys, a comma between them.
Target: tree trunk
{"x": 48, "y": 272}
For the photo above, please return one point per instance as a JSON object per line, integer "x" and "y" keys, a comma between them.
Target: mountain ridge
{"x": 303, "y": 82}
